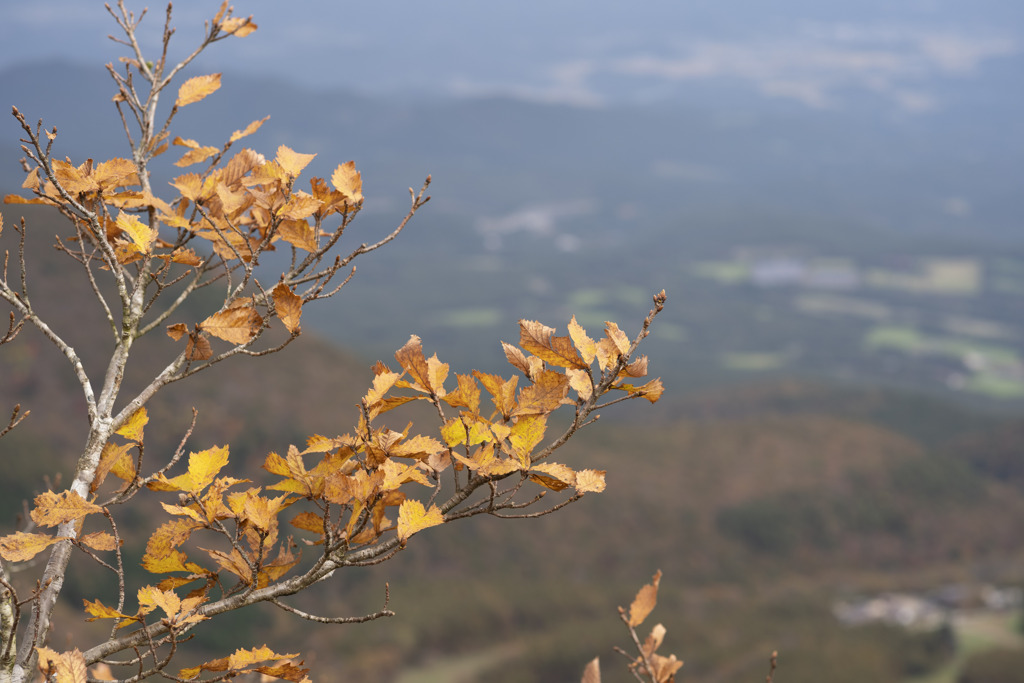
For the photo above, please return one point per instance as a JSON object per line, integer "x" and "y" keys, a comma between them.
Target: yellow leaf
{"x": 382, "y": 384}
{"x": 19, "y": 546}
{"x": 235, "y": 325}
{"x": 590, "y": 481}
{"x": 527, "y": 432}
{"x": 584, "y": 344}
{"x": 75, "y": 180}
{"x": 418, "y": 447}
{"x": 195, "y": 89}
{"x": 466, "y": 396}
{"x": 53, "y": 508}
{"x": 288, "y": 306}
{"x": 132, "y": 427}
{"x": 291, "y": 161}
{"x": 412, "y": 517}
{"x": 396, "y": 474}
{"x": 204, "y": 466}
{"x": 142, "y": 235}
{"x": 503, "y": 391}
{"x": 645, "y": 600}
{"x": 151, "y": 597}
{"x": 347, "y": 180}
{"x": 100, "y": 611}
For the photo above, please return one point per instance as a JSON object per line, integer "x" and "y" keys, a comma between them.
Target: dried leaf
{"x": 291, "y": 161}
{"x": 133, "y": 426}
{"x": 645, "y": 600}
{"x": 347, "y": 180}
{"x": 539, "y": 340}
{"x": 592, "y": 673}
{"x": 288, "y": 306}
{"x": 195, "y": 89}
{"x": 235, "y": 325}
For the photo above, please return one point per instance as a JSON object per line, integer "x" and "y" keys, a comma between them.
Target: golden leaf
{"x": 133, "y": 426}
{"x": 347, "y": 180}
{"x": 190, "y": 186}
{"x": 53, "y": 508}
{"x": 291, "y": 161}
{"x": 151, "y": 597}
{"x": 75, "y": 180}
{"x": 539, "y": 340}
{"x": 466, "y": 396}
{"x": 195, "y": 89}
{"x": 503, "y": 391}
{"x": 100, "y": 611}
{"x": 645, "y": 600}
{"x": 396, "y": 474}
{"x": 412, "y": 517}
{"x": 584, "y": 344}
{"x": 235, "y": 325}
{"x": 19, "y": 546}
{"x": 288, "y": 306}
{"x": 527, "y": 432}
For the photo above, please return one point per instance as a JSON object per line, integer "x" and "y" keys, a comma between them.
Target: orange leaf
{"x": 288, "y": 306}
{"x": 412, "y": 517}
{"x": 100, "y": 611}
{"x": 414, "y": 362}
{"x": 53, "y": 509}
{"x": 67, "y": 667}
{"x": 19, "y": 546}
{"x": 195, "y": 89}
{"x": 645, "y": 600}
{"x": 195, "y": 156}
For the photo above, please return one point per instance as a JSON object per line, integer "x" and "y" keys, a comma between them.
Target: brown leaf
{"x": 195, "y": 89}
{"x": 592, "y": 673}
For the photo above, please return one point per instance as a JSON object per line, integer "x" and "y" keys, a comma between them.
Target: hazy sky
{"x": 589, "y": 52}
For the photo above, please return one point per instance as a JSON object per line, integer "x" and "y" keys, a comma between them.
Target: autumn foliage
{"x": 340, "y": 500}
